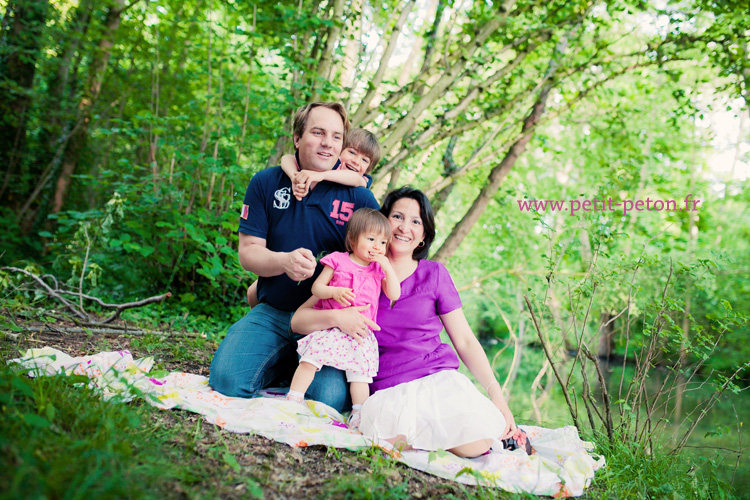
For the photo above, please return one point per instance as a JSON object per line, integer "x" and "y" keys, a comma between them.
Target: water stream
{"x": 716, "y": 438}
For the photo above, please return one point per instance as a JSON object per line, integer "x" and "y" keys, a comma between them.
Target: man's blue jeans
{"x": 260, "y": 350}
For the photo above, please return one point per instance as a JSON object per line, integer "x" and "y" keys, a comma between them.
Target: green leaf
{"x": 254, "y": 488}
{"x": 232, "y": 462}
{"x": 36, "y": 421}
{"x": 22, "y": 386}
{"x": 10, "y": 326}
{"x": 50, "y": 412}
{"x": 146, "y": 251}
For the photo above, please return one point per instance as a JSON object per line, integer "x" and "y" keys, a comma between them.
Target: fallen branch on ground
{"x": 78, "y": 311}
{"x": 110, "y": 330}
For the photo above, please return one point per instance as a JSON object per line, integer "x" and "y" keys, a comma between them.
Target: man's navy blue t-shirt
{"x": 317, "y": 223}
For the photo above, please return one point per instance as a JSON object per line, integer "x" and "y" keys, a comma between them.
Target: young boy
{"x": 358, "y": 157}
{"x": 360, "y": 154}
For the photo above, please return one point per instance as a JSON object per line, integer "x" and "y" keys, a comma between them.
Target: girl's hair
{"x": 425, "y": 213}
{"x": 364, "y": 142}
{"x": 366, "y": 219}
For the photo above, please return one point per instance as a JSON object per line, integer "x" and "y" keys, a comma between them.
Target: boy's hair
{"x": 300, "y": 119}
{"x": 366, "y": 219}
{"x": 364, "y": 142}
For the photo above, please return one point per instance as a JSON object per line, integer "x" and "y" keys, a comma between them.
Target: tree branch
{"x": 57, "y": 294}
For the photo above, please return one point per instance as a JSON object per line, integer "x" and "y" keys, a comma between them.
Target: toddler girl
{"x": 349, "y": 279}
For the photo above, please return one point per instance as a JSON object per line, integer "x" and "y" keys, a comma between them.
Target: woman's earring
{"x": 421, "y": 244}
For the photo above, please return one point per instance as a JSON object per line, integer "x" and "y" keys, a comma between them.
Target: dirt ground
{"x": 280, "y": 471}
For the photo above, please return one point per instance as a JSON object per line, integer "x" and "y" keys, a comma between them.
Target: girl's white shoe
{"x": 355, "y": 418}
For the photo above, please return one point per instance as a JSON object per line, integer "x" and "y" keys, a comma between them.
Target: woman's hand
{"x": 495, "y": 393}
{"x": 349, "y": 320}
{"x": 510, "y": 424}
{"x": 355, "y": 324}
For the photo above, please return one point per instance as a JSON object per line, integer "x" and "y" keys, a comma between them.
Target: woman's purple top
{"x": 409, "y": 338}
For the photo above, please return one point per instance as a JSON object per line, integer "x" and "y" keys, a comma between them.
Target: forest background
{"x": 129, "y": 132}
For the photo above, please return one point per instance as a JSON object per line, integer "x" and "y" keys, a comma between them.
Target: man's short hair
{"x": 364, "y": 142}
{"x": 300, "y": 119}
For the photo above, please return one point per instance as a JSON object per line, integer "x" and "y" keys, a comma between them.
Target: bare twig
{"x": 49, "y": 291}
{"x": 57, "y": 294}
{"x": 83, "y": 268}
{"x": 739, "y": 442}
{"x": 706, "y": 407}
{"x": 627, "y": 321}
{"x": 138, "y": 303}
{"x": 605, "y": 392}
{"x": 113, "y": 329}
{"x": 548, "y": 354}
{"x": 534, "y": 387}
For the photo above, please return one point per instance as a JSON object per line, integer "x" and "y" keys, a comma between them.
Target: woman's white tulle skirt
{"x": 439, "y": 411}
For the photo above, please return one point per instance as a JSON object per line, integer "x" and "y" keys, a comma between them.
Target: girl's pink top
{"x": 365, "y": 282}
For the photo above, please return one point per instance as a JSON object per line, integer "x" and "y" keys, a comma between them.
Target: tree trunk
{"x": 282, "y": 142}
{"x": 500, "y": 171}
{"x": 374, "y": 84}
{"x": 20, "y": 39}
{"x": 58, "y": 103}
{"x": 449, "y": 167}
{"x": 352, "y": 54}
{"x": 326, "y": 61}
{"x": 97, "y": 71}
{"x": 449, "y": 77}
{"x": 444, "y": 126}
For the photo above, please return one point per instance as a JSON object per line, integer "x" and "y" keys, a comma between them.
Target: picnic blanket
{"x": 563, "y": 465}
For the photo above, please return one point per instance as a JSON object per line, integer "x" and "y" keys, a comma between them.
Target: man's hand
{"x": 355, "y": 324}
{"x": 343, "y": 295}
{"x": 299, "y": 264}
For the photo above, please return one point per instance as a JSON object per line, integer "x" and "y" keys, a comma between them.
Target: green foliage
{"x": 632, "y": 473}
{"x": 148, "y": 248}
{"x": 60, "y": 440}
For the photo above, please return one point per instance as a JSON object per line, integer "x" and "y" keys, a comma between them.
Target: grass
{"x": 188, "y": 349}
{"x": 61, "y": 440}
{"x": 633, "y": 474}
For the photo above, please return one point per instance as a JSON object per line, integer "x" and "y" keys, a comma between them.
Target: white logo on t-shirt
{"x": 282, "y": 198}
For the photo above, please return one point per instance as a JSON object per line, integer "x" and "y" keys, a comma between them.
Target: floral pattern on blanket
{"x": 563, "y": 465}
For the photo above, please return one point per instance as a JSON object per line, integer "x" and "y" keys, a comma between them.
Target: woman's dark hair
{"x": 425, "y": 213}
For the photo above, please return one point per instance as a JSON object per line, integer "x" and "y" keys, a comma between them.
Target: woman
{"x": 420, "y": 399}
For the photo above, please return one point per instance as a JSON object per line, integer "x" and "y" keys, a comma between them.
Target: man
{"x": 280, "y": 239}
